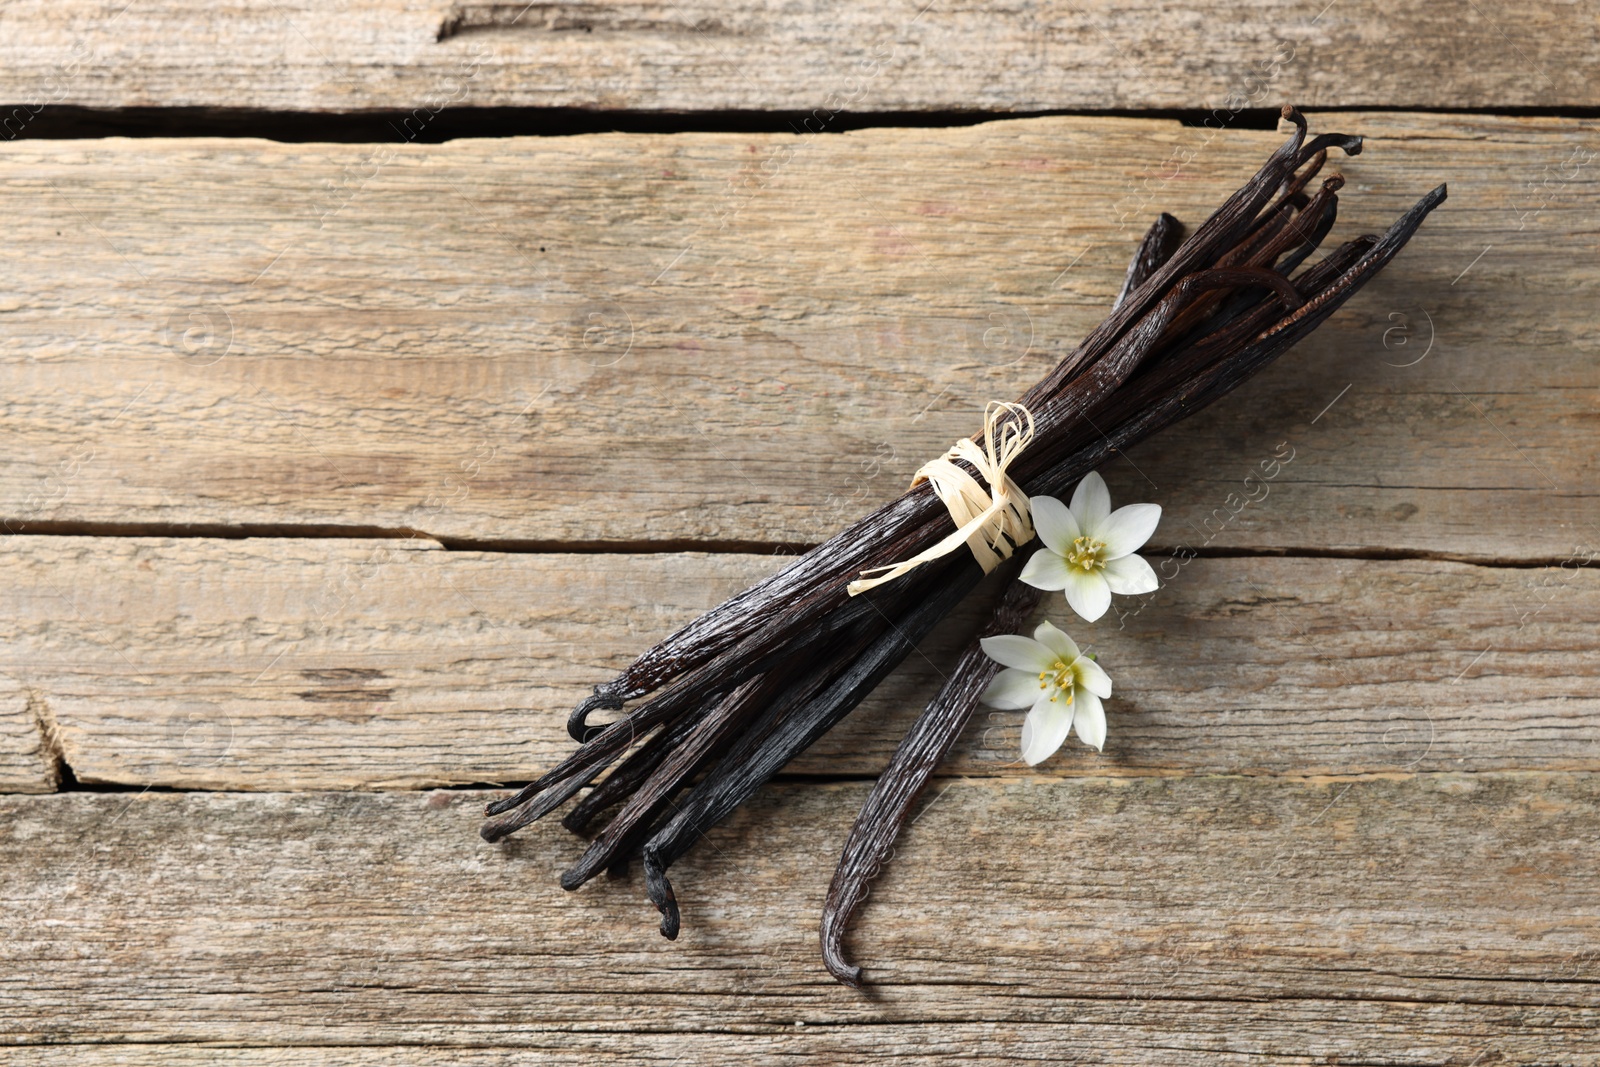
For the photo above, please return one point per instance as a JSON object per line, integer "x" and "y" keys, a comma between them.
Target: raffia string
{"x": 991, "y": 522}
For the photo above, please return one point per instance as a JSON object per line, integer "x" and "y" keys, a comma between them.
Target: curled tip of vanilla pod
{"x": 740, "y": 691}
{"x": 604, "y": 698}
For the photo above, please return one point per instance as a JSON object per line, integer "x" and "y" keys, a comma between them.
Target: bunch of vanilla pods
{"x": 739, "y": 692}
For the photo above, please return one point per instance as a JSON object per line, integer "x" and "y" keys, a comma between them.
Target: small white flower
{"x": 1088, "y": 548}
{"x": 1061, "y": 688}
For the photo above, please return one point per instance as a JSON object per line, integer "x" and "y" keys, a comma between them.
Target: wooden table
{"x": 337, "y": 472}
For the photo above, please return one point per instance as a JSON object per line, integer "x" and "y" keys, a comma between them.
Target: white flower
{"x": 1061, "y": 688}
{"x": 1088, "y": 548}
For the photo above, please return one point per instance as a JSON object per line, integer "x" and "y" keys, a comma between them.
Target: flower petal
{"x": 1092, "y": 677}
{"x": 1056, "y": 641}
{"x": 1046, "y": 571}
{"x": 1013, "y": 690}
{"x": 1045, "y": 729}
{"x": 1126, "y": 529}
{"x": 1054, "y": 523}
{"x": 1091, "y": 503}
{"x": 1131, "y": 575}
{"x": 1014, "y": 650}
{"x": 1089, "y": 719}
{"x": 1087, "y": 594}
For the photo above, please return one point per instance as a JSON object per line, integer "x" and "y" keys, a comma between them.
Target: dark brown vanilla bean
{"x": 789, "y": 633}
{"x": 793, "y": 683}
{"x": 1300, "y": 229}
{"x": 925, "y": 746}
{"x": 1221, "y": 231}
{"x": 1160, "y": 241}
{"x": 628, "y": 775}
{"x": 1262, "y": 251}
{"x": 872, "y": 615}
{"x": 1182, "y": 395}
{"x": 739, "y": 692}
{"x": 1272, "y": 223}
{"x": 1250, "y": 301}
{"x": 850, "y": 551}
{"x": 1319, "y": 145}
{"x": 506, "y": 821}
{"x": 1302, "y": 175}
{"x": 750, "y": 763}
{"x": 1060, "y": 420}
{"x": 1319, "y": 306}
{"x": 672, "y": 772}
{"x": 857, "y": 547}
{"x": 1291, "y": 197}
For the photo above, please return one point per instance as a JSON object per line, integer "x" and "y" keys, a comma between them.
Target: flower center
{"x": 1059, "y": 677}
{"x": 1085, "y": 554}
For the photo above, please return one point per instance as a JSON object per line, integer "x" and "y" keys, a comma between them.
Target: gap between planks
{"x": 758, "y": 548}
{"x": 57, "y": 122}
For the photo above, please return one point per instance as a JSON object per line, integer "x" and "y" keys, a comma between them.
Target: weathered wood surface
{"x": 1410, "y": 919}
{"x": 294, "y": 664}
{"x": 816, "y": 57}
{"x": 1347, "y": 808}
{"x": 26, "y": 762}
{"x": 747, "y": 340}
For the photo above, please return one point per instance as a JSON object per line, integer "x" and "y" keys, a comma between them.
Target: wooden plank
{"x": 814, "y": 58}
{"x": 1164, "y": 1034}
{"x": 26, "y": 764}
{"x": 295, "y": 664}
{"x": 748, "y": 340}
{"x": 1151, "y": 921}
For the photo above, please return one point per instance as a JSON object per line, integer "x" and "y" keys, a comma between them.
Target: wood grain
{"x": 1405, "y": 919}
{"x": 715, "y": 340}
{"x": 26, "y": 763}
{"x": 296, "y": 664}
{"x": 811, "y": 59}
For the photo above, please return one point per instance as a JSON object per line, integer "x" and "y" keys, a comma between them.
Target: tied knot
{"x": 992, "y": 517}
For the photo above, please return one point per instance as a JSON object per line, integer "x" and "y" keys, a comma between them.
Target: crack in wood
{"x": 524, "y": 546}
{"x": 579, "y": 18}
{"x": 483, "y": 791}
{"x": 52, "y": 749}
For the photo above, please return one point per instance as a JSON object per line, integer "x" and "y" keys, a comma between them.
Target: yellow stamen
{"x": 1085, "y": 554}
{"x": 1061, "y": 677}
